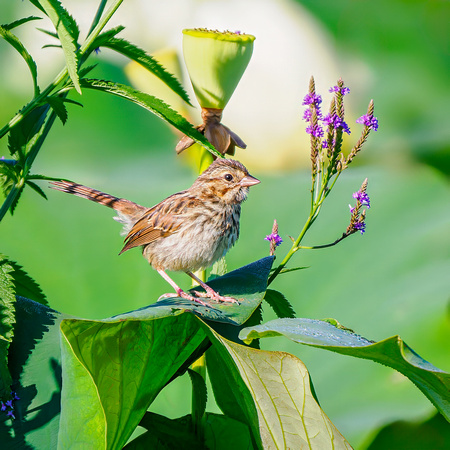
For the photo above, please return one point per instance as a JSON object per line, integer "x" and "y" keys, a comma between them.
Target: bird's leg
{"x": 178, "y": 290}
{"x": 210, "y": 292}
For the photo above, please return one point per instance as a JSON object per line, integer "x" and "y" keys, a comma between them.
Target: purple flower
{"x": 3, "y": 407}
{"x": 14, "y": 396}
{"x": 368, "y": 121}
{"x": 310, "y": 99}
{"x": 344, "y": 90}
{"x": 363, "y": 198}
{"x": 361, "y": 226}
{"x": 315, "y": 130}
{"x": 97, "y": 50}
{"x": 9, "y": 403}
{"x": 275, "y": 238}
{"x": 307, "y": 115}
{"x": 336, "y": 122}
{"x": 11, "y": 414}
{"x": 351, "y": 209}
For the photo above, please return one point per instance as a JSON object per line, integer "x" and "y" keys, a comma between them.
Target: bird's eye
{"x": 228, "y": 177}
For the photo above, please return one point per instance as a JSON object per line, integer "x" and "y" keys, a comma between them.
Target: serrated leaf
{"x": 279, "y": 303}
{"x": 7, "y": 320}
{"x": 271, "y": 394}
{"x": 16, "y": 23}
{"x": 68, "y": 33}
{"x": 15, "y": 42}
{"x": 57, "y": 105}
{"x": 393, "y": 352}
{"x": 25, "y": 286}
{"x": 48, "y": 33}
{"x": 36, "y": 188}
{"x": 148, "y": 62}
{"x": 23, "y": 132}
{"x": 19, "y": 190}
{"x": 152, "y": 104}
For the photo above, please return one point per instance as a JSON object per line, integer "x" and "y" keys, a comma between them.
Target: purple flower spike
{"x": 361, "y": 226}
{"x": 363, "y": 198}
{"x": 315, "y": 131}
{"x": 275, "y": 238}
{"x": 307, "y": 115}
{"x": 368, "y": 121}
{"x": 310, "y": 99}
{"x": 336, "y": 122}
{"x": 344, "y": 90}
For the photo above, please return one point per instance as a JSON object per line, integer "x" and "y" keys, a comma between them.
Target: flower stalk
{"x": 328, "y": 162}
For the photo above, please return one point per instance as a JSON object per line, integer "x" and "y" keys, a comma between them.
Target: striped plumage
{"x": 187, "y": 231}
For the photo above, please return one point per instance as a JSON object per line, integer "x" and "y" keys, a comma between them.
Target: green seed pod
{"x": 215, "y": 62}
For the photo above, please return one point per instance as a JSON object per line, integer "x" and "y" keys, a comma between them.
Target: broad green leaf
{"x": 221, "y": 433}
{"x": 199, "y": 394}
{"x": 148, "y": 62}
{"x": 124, "y": 364}
{"x": 279, "y": 303}
{"x": 269, "y": 392}
{"x": 152, "y": 104}
{"x": 430, "y": 434}
{"x": 68, "y": 32}
{"x": 35, "y": 366}
{"x": 392, "y": 352}
{"x": 15, "y": 42}
{"x": 7, "y": 320}
{"x": 16, "y": 23}
{"x": 247, "y": 284}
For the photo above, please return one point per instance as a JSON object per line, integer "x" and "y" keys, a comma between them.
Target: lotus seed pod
{"x": 216, "y": 62}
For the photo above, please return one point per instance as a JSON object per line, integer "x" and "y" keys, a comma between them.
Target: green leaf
{"x": 16, "y": 23}
{"x": 199, "y": 396}
{"x": 35, "y": 366}
{"x": 22, "y": 133}
{"x": 221, "y": 433}
{"x": 430, "y": 434}
{"x": 279, "y": 304}
{"x": 152, "y": 104}
{"x": 57, "y": 105}
{"x": 393, "y": 352}
{"x": 114, "y": 369}
{"x": 25, "y": 286}
{"x": 68, "y": 33}
{"x": 271, "y": 394}
{"x": 148, "y": 62}
{"x": 7, "y": 320}
{"x": 36, "y": 188}
{"x": 15, "y": 42}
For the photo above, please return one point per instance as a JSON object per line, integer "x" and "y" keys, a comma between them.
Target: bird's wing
{"x": 160, "y": 221}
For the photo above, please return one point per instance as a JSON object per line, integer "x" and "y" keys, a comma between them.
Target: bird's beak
{"x": 249, "y": 181}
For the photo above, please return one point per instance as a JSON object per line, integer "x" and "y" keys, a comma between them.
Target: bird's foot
{"x": 186, "y": 296}
{"x": 213, "y": 295}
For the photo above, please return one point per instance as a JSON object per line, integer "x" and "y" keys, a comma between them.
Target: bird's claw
{"x": 213, "y": 295}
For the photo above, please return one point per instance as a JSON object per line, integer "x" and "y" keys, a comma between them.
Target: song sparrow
{"x": 187, "y": 231}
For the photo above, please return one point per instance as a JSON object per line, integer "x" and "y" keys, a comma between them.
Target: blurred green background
{"x": 392, "y": 280}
